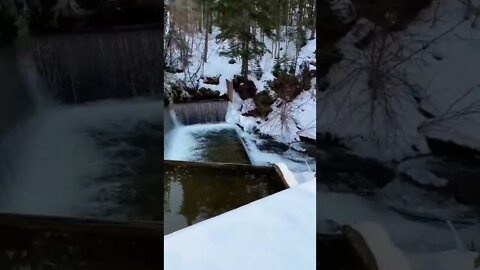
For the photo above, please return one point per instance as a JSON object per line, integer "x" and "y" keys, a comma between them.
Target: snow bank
{"x": 270, "y": 233}
{"x": 300, "y": 118}
{"x": 411, "y": 236}
{"x": 387, "y": 255}
{"x": 287, "y": 174}
{"x": 426, "y": 178}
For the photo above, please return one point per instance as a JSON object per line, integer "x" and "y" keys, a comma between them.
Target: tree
{"x": 235, "y": 20}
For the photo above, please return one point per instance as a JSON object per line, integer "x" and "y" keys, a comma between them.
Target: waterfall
{"x": 170, "y": 123}
{"x": 78, "y": 68}
{"x": 34, "y": 85}
{"x": 200, "y": 112}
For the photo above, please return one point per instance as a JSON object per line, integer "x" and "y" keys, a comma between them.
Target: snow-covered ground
{"x": 443, "y": 75}
{"x": 442, "y": 70}
{"x": 271, "y": 233}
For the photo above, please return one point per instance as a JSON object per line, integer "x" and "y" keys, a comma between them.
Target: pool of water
{"x": 222, "y": 145}
{"x": 207, "y": 143}
{"x": 102, "y": 161}
{"x": 132, "y": 188}
{"x": 195, "y": 192}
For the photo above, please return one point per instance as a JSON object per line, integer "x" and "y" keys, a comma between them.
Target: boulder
{"x": 245, "y": 88}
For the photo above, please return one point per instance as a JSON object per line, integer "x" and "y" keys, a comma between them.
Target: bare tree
{"x": 382, "y": 64}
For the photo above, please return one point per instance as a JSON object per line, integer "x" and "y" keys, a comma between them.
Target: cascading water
{"x": 86, "y": 159}
{"x": 169, "y": 126}
{"x": 201, "y": 112}
{"x": 89, "y": 67}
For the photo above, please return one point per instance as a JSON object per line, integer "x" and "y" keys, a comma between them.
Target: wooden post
{"x": 229, "y": 90}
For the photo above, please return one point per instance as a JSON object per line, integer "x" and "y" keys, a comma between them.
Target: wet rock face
{"x": 245, "y": 88}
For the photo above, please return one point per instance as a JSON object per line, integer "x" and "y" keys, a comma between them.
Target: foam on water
{"x": 48, "y": 165}
{"x": 182, "y": 143}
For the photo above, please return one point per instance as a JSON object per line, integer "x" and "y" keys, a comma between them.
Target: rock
{"x": 450, "y": 149}
{"x": 206, "y": 93}
{"x": 270, "y": 145}
{"x": 212, "y": 80}
{"x": 245, "y": 88}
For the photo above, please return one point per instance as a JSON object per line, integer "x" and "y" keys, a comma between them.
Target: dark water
{"x": 132, "y": 189}
{"x": 196, "y": 193}
{"x": 221, "y": 146}
{"x": 201, "y": 112}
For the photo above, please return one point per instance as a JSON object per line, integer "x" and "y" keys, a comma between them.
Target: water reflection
{"x": 193, "y": 194}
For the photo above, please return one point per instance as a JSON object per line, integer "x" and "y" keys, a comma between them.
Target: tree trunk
{"x": 313, "y": 19}
{"x": 245, "y": 43}
{"x": 245, "y": 56}
{"x": 205, "y": 50}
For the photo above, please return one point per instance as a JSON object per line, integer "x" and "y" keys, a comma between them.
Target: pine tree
{"x": 235, "y": 18}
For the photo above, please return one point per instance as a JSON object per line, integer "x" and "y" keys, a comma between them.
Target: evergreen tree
{"x": 236, "y": 18}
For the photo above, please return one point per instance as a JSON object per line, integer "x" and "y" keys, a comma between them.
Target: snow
{"x": 423, "y": 243}
{"x": 302, "y": 111}
{"x": 403, "y": 196}
{"x": 450, "y": 78}
{"x": 444, "y": 72}
{"x": 387, "y": 255}
{"x": 287, "y": 174}
{"x": 220, "y": 243}
{"x": 297, "y": 163}
{"x": 300, "y": 119}
{"x": 425, "y": 177}
{"x": 218, "y": 65}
